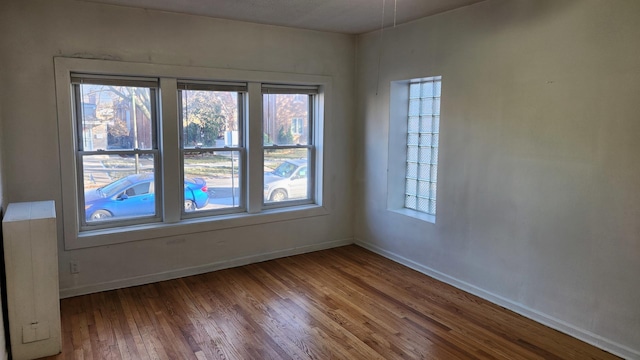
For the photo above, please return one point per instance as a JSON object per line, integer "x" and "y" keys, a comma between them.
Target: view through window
{"x": 120, "y": 151}
{"x": 287, "y": 143}
{"x": 212, "y": 146}
{"x": 117, "y": 148}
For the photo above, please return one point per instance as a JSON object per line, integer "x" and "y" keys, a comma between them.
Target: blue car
{"x": 134, "y": 196}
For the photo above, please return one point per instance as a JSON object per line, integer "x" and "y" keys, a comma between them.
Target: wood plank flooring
{"x": 343, "y": 303}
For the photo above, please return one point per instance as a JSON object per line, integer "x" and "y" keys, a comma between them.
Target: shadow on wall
{"x": 4, "y": 342}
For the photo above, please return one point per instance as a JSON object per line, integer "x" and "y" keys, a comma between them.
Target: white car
{"x": 287, "y": 182}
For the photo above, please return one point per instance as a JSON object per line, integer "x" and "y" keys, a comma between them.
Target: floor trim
{"x": 545, "y": 319}
{"x": 175, "y": 274}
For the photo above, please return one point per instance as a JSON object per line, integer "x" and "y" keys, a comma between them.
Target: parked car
{"x": 288, "y": 181}
{"x": 134, "y": 196}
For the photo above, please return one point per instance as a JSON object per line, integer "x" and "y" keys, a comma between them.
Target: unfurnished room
{"x": 305, "y": 179}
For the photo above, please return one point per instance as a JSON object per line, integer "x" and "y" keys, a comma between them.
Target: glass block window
{"x": 423, "y": 130}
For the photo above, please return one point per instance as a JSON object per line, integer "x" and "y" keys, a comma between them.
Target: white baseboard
{"x": 174, "y": 274}
{"x": 545, "y": 319}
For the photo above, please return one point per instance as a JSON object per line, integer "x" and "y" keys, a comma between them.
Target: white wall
{"x": 34, "y": 31}
{"x": 539, "y": 177}
{"x": 3, "y": 353}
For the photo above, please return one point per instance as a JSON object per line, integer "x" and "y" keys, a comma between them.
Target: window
{"x": 423, "y": 127}
{"x": 151, "y": 151}
{"x": 286, "y": 159}
{"x": 212, "y": 146}
{"x": 117, "y": 149}
{"x": 297, "y": 126}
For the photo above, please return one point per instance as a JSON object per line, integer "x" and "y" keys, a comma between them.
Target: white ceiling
{"x": 342, "y": 16}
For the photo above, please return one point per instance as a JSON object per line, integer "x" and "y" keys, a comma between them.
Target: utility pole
{"x": 135, "y": 130}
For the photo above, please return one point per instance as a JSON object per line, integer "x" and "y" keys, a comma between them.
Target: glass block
{"x": 412, "y": 139}
{"x": 434, "y": 155}
{"x": 427, "y": 89}
{"x": 424, "y": 172}
{"x": 436, "y": 124}
{"x": 436, "y": 106}
{"x": 426, "y": 124}
{"x": 434, "y": 173}
{"x": 426, "y": 139}
{"x": 423, "y": 188}
{"x": 412, "y": 154}
{"x": 433, "y": 187}
{"x": 412, "y": 170}
{"x": 422, "y": 205}
{"x": 426, "y": 106}
{"x": 432, "y": 207}
{"x": 414, "y": 91}
{"x": 425, "y": 155}
{"x": 437, "y": 88}
{"x": 413, "y": 125}
{"x": 410, "y": 201}
{"x": 410, "y": 187}
{"x": 435, "y": 141}
{"x": 414, "y": 107}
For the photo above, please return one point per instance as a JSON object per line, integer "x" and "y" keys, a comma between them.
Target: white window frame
{"x": 173, "y": 223}
{"x": 152, "y": 84}
{"x": 312, "y": 93}
{"x": 240, "y": 148}
{"x": 397, "y": 160}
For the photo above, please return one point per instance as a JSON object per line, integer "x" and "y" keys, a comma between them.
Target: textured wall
{"x": 539, "y": 191}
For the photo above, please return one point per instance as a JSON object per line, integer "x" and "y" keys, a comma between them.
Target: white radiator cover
{"x": 31, "y": 260}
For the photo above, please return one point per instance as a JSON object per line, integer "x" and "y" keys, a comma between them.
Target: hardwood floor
{"x": 343, "y": 303}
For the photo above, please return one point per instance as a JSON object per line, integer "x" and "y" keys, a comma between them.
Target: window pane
{"x": 426, "y": 124}
{"x": 412, "y": 139}
{"x": 412, "y": 171}
{"x": 118, "y": 187}
{"x": 286, "y": 175}
{"x": 410, "y": 201}
{"x": 427, "y": 106}
{"x": 424, "y": 172}
{"x": 414, "y": 91}
{"x": 422, "y": 205}
{"x": 412, "y": 153}
{"x": 425, "y": 155}
{"x": 427, "y": 89}
{"x": 212, "y": 180}
{"x": 426, "y": 139}
{"x": 209, "y": 118}
{"x": 414, "y": 125}
{"x": 414, "y": 107}
{"x": 116, "y": 117}
{"x": 411, "y": 187}
{"x": 285, "y": 119}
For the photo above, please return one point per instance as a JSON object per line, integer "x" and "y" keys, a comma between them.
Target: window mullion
{"x": 170, "y": 169}
{"x": 254, "y": 149}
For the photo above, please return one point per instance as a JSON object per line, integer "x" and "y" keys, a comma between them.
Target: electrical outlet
{"x": 74, "y": 267}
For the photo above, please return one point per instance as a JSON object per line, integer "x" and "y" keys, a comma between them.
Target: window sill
{"x": 119, "y": 235}
{"x": 415, "y": 214}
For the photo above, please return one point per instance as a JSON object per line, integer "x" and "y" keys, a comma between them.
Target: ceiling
{"x": 342, "y": 16}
